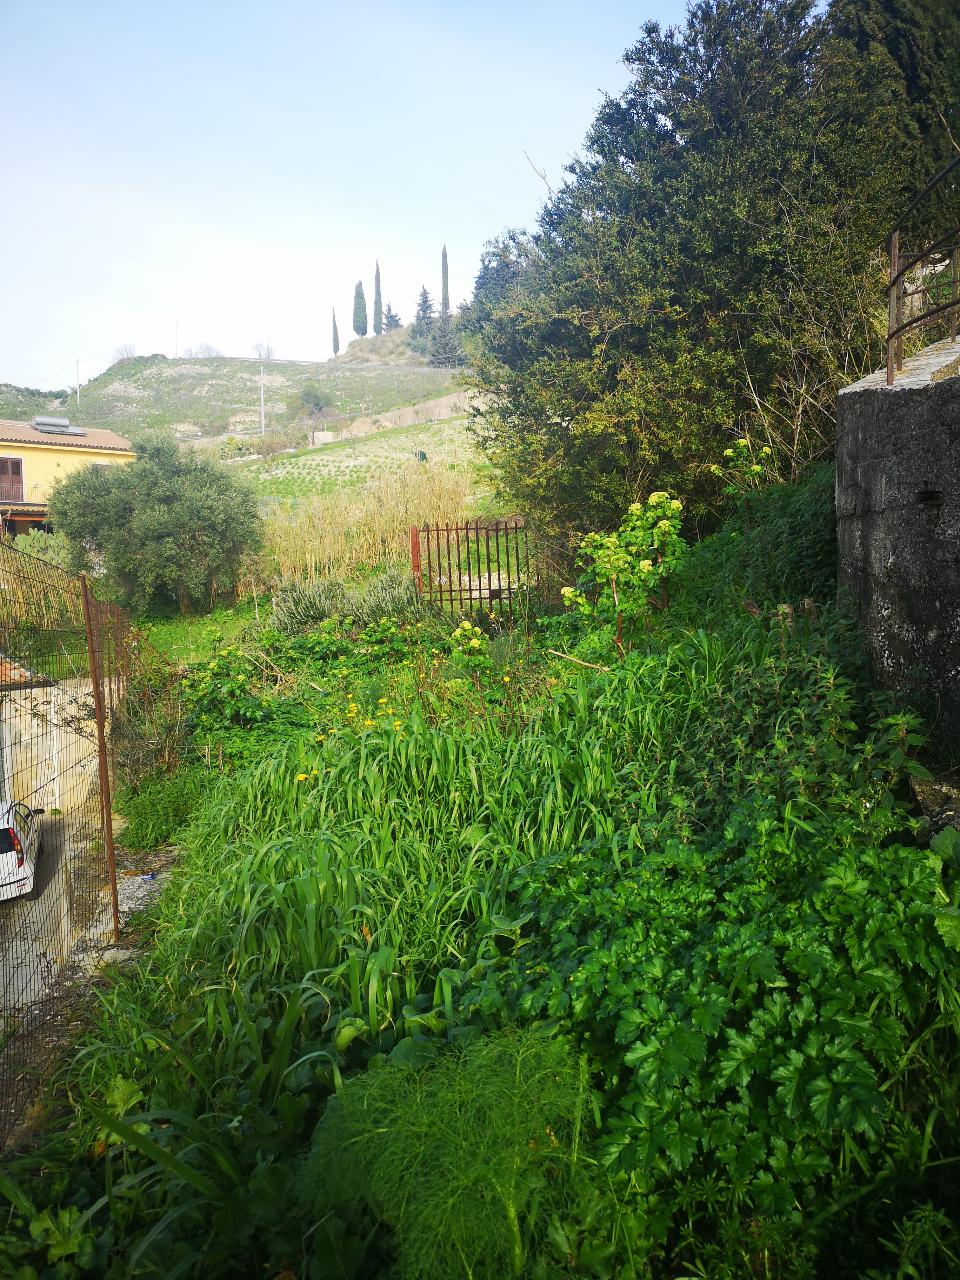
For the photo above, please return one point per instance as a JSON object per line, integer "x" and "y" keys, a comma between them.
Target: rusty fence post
{"x": 93, "y": 650}
{"x": 892, "y": 308}
{"x": 415, "y": 558}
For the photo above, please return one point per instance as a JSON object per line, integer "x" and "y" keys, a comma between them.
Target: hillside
{"x": 355, "y": 460}
{"x": 222, "y": 393}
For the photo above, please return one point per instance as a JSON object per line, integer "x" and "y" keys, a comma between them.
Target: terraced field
{"x": 355, "y": 461}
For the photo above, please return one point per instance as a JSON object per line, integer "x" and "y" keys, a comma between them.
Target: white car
{"x": 20, "y": 847}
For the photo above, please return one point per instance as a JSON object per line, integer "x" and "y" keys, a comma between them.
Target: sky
{"x": 218, "y": 172}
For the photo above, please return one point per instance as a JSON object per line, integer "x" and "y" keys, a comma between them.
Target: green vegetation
{"x": 52, "y": 547}
{"x": 218, "y": 394}
{"x": 359, "y": 311}
{"x": 168, "y": 528}
{"x": 481, "y": 962}
{"x": 355, "y": 459}
{"x": 611, "y": 944}
{"x": 20, "y": 404}
{"x": 712, "y": 268}
{"x": 423, "y": 320}
{"x": 336, "y": 336}
{"x": 311, "y": 401}
{"x": 377, "y": 303}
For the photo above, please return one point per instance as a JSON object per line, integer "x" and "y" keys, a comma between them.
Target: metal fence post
{"x": 93, "y": 650}
{"x": 892, "y": 308}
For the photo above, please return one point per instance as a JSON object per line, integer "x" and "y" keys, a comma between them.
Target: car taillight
{"x": 17, "y": 846}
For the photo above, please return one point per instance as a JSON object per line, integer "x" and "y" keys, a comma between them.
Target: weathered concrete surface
{"x": 898, "y": 527}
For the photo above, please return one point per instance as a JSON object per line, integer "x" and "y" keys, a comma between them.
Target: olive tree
{"x": 167, "y": 528}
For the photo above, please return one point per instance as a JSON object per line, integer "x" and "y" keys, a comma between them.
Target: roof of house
{"x": 94, "y": 437}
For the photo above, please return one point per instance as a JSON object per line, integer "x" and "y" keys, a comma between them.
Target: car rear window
{"x": 6, "y": 842}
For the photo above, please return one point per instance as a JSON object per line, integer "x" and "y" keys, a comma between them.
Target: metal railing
{"x": 11, "y": 490}
{"x": 925, "y": 284}
{"x": 476, "y": 566}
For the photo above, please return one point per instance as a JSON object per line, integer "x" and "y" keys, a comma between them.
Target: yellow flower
{"x": 368, "y": 723}
{"x": 302, "y": 777}
{"x": 728, "y": 453}
{"x": 381, "y": 702}
{"x": 397, "y": 724}
{"x": 506, "y": 679}
{"x": 676, "y": 505}
{"x": 664, "y": 524}
{"x": 656, "y": 498}
{"x": 645, "y": 566}
{"x": 743, "y": 442}
{"x": 474, "y": 644}
{"x": 321, "y": 737}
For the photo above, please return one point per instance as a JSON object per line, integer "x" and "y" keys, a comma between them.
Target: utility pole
{"x": 78, "y": 382}
{"x": 262, "y": 428}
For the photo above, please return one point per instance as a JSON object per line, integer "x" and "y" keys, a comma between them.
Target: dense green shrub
{"x": 52, "y": 547}
{"x": 780, "y": 546}
{"x": 301, "y": 606}
{"x": 711, "y": 268}
{"x": 466, "y": 1155}
{"x": 159, "y": 811}
{"x": 168, "y": 528}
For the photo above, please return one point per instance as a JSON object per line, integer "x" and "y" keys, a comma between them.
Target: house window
{"x": 11, "y": 480}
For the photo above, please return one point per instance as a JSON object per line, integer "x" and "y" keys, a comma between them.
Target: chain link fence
{"x": 64, "y": 659}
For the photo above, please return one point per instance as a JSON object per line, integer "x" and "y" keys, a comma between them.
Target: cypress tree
{"x": 444, "y": 284}
{"x": 423, "y": 321}
{"x": 359, "y": 311}
{"x": 336, "y": 335}
{"x": 377, "y": 303}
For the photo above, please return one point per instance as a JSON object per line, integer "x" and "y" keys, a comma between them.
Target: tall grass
{"x": 355, "y": 528}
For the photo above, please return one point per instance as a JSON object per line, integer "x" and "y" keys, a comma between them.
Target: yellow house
{"x": 34, "y": 455}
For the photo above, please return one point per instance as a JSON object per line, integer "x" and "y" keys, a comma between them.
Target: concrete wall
{"x": 898, "y": 526}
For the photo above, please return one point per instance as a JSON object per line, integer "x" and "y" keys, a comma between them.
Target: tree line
{"x": 435, "y": 334}
{"x": 712, "y": 268}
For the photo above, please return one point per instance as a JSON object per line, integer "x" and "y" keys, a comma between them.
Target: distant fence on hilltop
{"x": 63, "y": 671}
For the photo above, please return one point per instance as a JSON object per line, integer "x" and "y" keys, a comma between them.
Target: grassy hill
{"x": 222, "y": 393}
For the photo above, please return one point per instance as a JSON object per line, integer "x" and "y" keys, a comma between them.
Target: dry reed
{"x": 364, "y": 526}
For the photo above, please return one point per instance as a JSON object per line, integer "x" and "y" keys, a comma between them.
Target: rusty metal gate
{"x": 475, "y": 566}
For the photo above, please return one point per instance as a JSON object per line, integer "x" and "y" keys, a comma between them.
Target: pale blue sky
{"x": 237, "y": 167}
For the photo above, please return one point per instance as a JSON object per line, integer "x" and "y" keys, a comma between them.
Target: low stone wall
{"x": 898, "y": 526}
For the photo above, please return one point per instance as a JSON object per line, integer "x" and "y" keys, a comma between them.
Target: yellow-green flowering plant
{"x": 468, "y": 647}
{"x": 630, "y": 569}
{"x": 744, "y": 468}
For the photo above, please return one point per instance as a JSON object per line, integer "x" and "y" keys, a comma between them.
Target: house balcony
{"x": 11, "y": 489}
